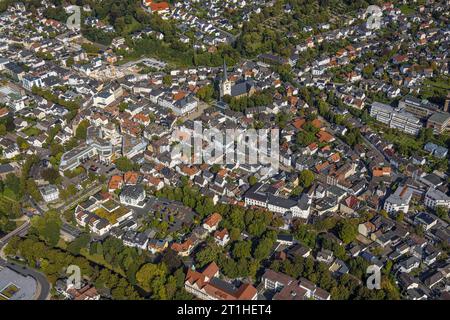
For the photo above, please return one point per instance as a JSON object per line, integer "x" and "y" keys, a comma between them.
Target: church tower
{"x": 225, "y": 84}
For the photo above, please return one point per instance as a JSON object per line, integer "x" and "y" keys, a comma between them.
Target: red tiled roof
{"x": 213, "y": 219}
{"x": 115, "y": 182}
{"x": 130, "y": 177}
{"x": 220, "y": 234}
{"x": 201, "y": 280}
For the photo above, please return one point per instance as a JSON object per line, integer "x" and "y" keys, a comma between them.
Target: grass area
{"x": 442, "y": 83}
{"x": 61, "y": 244}
{"x": 32, "y": 131}
{"x": 91, "y": 48}
{"x": 69, "y": 216}
{"x": 407, "y": 10}
{"x": 404, "y": 139}
{"x": 436, "y": 87}
{"x": 110, "y": 205}
{"x": 113, "y": 216}
{"x": 9, "y": 291}
{"x": 75, "y": 172}
{"x": 19, "y": 223}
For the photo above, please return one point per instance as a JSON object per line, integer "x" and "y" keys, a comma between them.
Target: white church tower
{"x": 225, "y": 84}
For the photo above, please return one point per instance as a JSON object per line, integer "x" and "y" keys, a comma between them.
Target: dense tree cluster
{"x": 259, "y": 99}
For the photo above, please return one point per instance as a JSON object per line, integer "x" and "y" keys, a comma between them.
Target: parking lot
{"x": 182, "y": 214}
{"x": 98, "y": 167}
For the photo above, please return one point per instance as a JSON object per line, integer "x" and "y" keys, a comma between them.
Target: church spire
{"x": 225, "y": 74}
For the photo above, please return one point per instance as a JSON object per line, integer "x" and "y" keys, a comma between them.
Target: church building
{"x": 238, "y": 89}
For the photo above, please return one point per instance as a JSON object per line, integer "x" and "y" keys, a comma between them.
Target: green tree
{"x": 22, "y": 143}
{"x": 263, "y": 248}
{"x": 347, "y": 231}
{"x": 47, "y": 227}
{"x": 33, "y": 190}
{"x": 150, "y": 276}
{"x": 81, "y": 132}
{"x": 252, "y": 180}
{"x": 167, "y": 80}
{"x": 124, "y": 164}
{"x": 205, "y": 93}
{"x": 442, "y": 212}
{"x": 2, "y": 129}
{"x": 207, "y": 255}
{"x": 306, "y": 178}
{"x": 79, "y": 243}
{"x": 242, "y": 249}
{"x": 51, "y": 175}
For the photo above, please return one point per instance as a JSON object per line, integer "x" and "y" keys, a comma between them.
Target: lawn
{"x": 32, "y": 131}
{"x": 436, "y": 87}
{"x": 407, "y": 10}
{"x": 110, "y": 205}
{"x": 442, "y": 83}
{"x": 111, "y": 216}
{"x": 9, "y": 291}
{"x": 404, "y": 139}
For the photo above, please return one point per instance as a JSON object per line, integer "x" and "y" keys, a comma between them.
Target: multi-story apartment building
{"x": 421, "y": 109}
{"x": 94, "y": 146}
{"x": 439, "y": 122}
{"x": 396, "y": 118}
{"x": 435, "y": 198}
{"x": 399, "y": 200}
{"x": 264, "y": 196}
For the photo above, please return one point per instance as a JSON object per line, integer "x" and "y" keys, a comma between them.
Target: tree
{"x": 22, "y": 143}
{"x": 263, "y": 248}
{"x": 12, "y": 182}
{"x": 51, "y": 175}
{"x": 2, "y": 129}
{"x": 347, "y": 231}
{"x": 305, "y": 138}
{"x": 81, "y": 132}
{"x": 306, "y": 178}
{"x": 33, "y": 191}
{"x": 252, "y": 180}
{"x": 123, "y": 106}
{"x": 150, "y": 276}
{"x": 442, "y": 212}
{"x": 171, "y": 259}
{"x": 124, "y": 164}
{"x": 400, "y": 217}
{"x": 47, "y": 227}
{"x": 242, "y": 249}
{"x": 383, "y": 213}
{"x": 205, "y": 93}
{"x": 207, "y": 255}
{"x": 79, "y": 243}
{"x": 70, "y": 61}
{"x": 167, "y": 80}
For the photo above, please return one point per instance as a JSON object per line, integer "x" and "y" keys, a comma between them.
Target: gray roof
{"x": 437, "y": 194}
{"x": 241, "y": 88}
{"x": 26, "y": 284}
{"x": 132, "y": 191}
{"x": 440, "y": 117}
